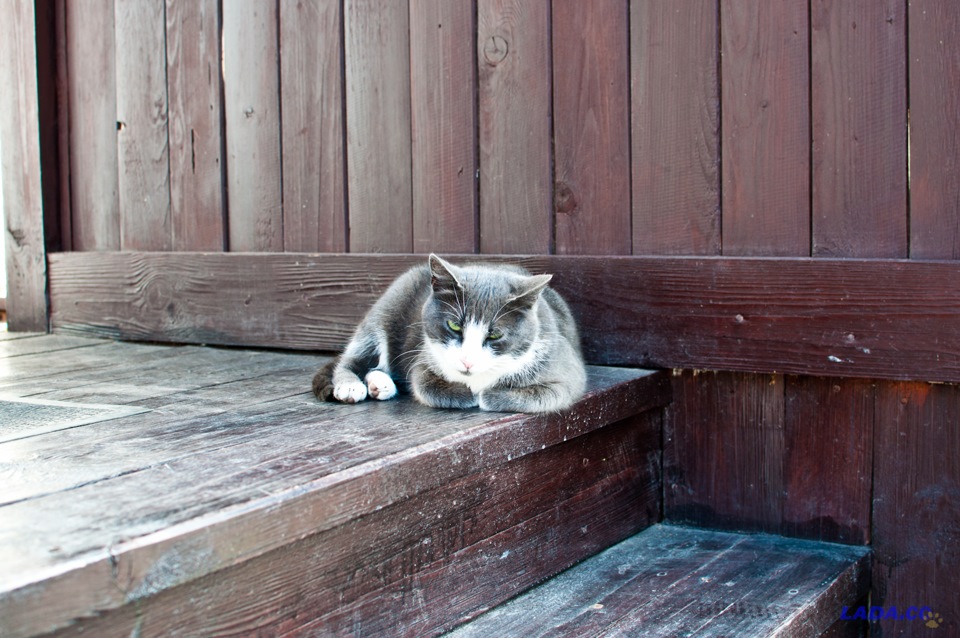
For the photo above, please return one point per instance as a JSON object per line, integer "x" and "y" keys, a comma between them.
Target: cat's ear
{"x": 528, "y": 291}
{"x": 442, "y": 275}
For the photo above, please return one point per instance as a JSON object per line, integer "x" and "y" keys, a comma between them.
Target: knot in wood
{"x": 565, "y": 200}
{"x": 495, "y": 50}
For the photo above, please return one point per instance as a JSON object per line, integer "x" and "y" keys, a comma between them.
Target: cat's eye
{"x": 453, "y": 325}
{"x": 494, "y": 334}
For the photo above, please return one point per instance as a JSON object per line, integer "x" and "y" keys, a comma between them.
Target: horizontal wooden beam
{"x": 890, "y": 319}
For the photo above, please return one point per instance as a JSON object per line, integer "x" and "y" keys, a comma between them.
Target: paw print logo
{"x": 932, "y": 619}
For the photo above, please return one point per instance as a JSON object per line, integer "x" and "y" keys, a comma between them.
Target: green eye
{"x": 453, "y": 325}
{"x": 494, "y": 334}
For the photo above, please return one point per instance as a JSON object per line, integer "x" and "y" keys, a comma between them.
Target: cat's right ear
{"x": 442, "y": 277}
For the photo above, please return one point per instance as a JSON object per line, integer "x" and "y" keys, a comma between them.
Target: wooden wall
{"x": 698, "y": 129}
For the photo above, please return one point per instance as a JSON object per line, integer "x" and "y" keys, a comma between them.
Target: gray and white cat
{"x": 463, "y": 336}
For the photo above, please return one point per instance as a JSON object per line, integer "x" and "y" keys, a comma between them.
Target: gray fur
{"x": 463, "y": 336}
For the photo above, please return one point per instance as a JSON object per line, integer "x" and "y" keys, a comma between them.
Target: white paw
{"x": 351, "y": 392}
{"x": 380, "y": 386}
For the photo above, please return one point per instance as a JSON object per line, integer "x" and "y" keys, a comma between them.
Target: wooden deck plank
{"x": 671, "y": 581}
{"x": 231, "y": 470}
{"x": 45, "y": 345}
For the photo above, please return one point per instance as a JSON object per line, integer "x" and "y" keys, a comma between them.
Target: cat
{"x": 488, "y": 336}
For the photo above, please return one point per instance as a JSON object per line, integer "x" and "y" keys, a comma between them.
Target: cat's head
{"x": 480, "y": 322}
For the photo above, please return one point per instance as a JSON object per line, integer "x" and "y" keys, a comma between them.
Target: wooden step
{"x": 237, "y": 504}
{"x": 675, "y": 581}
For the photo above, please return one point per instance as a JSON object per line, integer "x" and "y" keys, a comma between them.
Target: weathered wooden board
{"x": 20, "y": 167}
{"x": 516, "y": 176}
{"x": 142, "y": 139}
{"x": 311, "y": 85}
{"x": 443, "y": 71}
{"x": 251, "y": 98}
{"x": 934, "y": 87}
{"x": 765, "y": 127}
{"x": 674, "y": 581}
{"x": 859, "y": 127}
{"x": 591, "y": 113}
{"x": 248, "y": 466}
{"x": 864, "y": 318}
{"x": 379, "y": 189}
{"x": 195, "y": 124}
{"x": 675, "y": 127}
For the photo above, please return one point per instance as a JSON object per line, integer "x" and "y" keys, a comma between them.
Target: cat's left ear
{"x": 442, "y": 275}
{"x": 529, "y": 290}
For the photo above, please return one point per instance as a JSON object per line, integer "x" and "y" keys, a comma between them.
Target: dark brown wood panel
{"x": 765, "y": 128}
{"x": 142, "y": 144}
{"x": 443, "y": 72}
{"x": 724, "y": 451}
{"x": 194, "y": 92}
{"x": 916, "y": 505}
{"x": 311, "y": 85}
{"x": 828, "y": 458}
{"x": 92, "y": 87}
{"x": 859, "y": 124}
{"x": 591, "y": 115}
{"x": 379, "y": 188}
{"x": 251, "y": 87}
{"x": 516, "y": 176}
{"x": 934, "y": 129}
{"x": 23, "y": 234}
{"x": 675, "y": 127}
{"x": 862, "y": 318}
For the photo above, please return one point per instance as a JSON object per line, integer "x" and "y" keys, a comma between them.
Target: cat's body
{"x": 463, "y": 336}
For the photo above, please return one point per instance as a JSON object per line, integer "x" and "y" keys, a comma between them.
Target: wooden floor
{"x": 101, "y": 514}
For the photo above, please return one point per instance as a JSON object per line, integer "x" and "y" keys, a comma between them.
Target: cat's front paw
{"x": 380, "y": 386}
{"x": 350, "y": 392}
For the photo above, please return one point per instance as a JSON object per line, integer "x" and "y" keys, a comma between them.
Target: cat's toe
{"x": 380, "y": 386}
{"x": 352, "y": 392}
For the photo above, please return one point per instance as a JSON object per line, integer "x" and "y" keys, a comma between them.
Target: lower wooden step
{"x": 227, "y": 501}
{"x": 674, "y": 581}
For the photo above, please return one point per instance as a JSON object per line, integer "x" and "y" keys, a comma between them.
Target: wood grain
{"x": 443, "y": 70}
{"x": 591, "y": 111}
{"x": 516, "y": 178}
{"x": 859, "y": 111}
{"x": 379, "y": 186}
{"x": 765, "y": 127}
{"x": 20, "y": 159}
{"x": 866, "y": 318}
{"x": 142, "y": 141}
{"x": 934, "y": 87}
{"x": 194, "y": 92}
{"x": 675, "y": 127}
{"x": 251, "y": 87}
{"x": 916, "y": 502}
{"x": 94, "y": 176}
{"x": 311, "y": 85}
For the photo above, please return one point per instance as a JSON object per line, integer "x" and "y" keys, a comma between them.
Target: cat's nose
{"x": 466, "y": 364}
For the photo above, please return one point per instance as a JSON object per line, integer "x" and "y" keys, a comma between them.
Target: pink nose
{"x": 466, "y": 364}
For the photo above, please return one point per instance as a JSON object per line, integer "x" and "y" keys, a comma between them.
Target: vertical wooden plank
{"x": 444, "y": 123}
{"x": 859, "y": 111}
{"x": 934, "y": 129}
{"x": 311, "y": 85}
{"x": 516, "y": 181}
{"x": 765, "y": 127}
{"x": 144, "y": 164}
{"x": 251, "y": 93}
{"x": 723, "y": 451}
{"x": 379, "y": 189}
{"x": 65, "y": 216}
{"x": 49, "y": 124}
{"x": 916, "y": 505}
{"x": 675, "y": 130}
{"x": 828, "y": 459}
{"x": 91, "y": 68}
{"x": 591, "y": 107}
{"x": 195, "y": 124}
{"x": 22, "y": 200}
